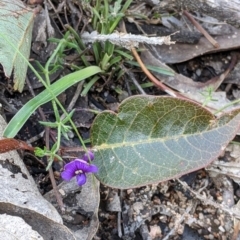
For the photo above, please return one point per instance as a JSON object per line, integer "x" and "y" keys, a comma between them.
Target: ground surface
{"x": 199, "y": 205}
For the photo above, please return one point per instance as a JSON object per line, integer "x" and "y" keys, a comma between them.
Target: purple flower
{"x": 78, "y": 168}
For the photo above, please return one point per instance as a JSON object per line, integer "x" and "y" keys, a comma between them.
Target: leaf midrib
{"x": 148, "y": 141}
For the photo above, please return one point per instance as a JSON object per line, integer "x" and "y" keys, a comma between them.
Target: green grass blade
{"x": 89, "y": 85}
{"x": 124, "y": 9}
{"x": 124, "y": 54}
{"x": 154, "y": 68}
{"x": 45, "y": 96}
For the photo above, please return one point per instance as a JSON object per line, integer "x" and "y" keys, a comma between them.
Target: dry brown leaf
{"x": 181, "y": 52}
{"x": 178, "y": 81}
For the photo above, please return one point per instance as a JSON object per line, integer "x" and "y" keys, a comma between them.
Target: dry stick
{"x": 155, "y": 80}
{"x": 54, "y": 185}
{"x": 233, "y": 63}
{"x": 74, "y": 10}
{"x": 36, "y": 159}
{"x": 35, "y": 138}
{"x": 201, "y": 29}
{"x": 119, "y": 226}
{"x": 65, "y": 13}
{"x": 76, "y": 96}
{"x": 134, "y": 80}
{"x": 128, "y": 86}
{"x": 74, "y": 99}
{"x": 72, "y": 149}
{"x": 221, "y": 77}
{"x": 56, "y": 12}
{"x": 151, "y": 77}
{"x": 233, "y": 212}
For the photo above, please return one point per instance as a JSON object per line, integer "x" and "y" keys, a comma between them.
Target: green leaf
{"x": 153, "y": 139}
{"x": 16, "y": 22}
{"x": 45, "y": 96}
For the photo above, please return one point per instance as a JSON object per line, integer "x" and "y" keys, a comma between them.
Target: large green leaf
{"x": 153, "y": 139}
{"x": 45, "y": 96}
{"x": 16, "y": 22}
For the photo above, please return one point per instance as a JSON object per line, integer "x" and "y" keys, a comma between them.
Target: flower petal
{"x": 71, "y": 166}
{"x": 87, "y": 156}
{"x": 81, "y": 179}
{"x": 85, "y": 167}
{"x": 67, "y": 175}
{"x": 69, "y": 171}
{"x": 91, "y": 168}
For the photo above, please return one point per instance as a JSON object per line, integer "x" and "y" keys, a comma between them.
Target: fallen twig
{"x": 54, "y": 185}
{"x": 232, "y": 211}
{"x": 201, "y": 29}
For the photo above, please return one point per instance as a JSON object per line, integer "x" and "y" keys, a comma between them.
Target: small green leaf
{"x": 49, "y": 124}
{"x": 58, "y": 87}
{"x": 153, "y": 139}
{"x": 39, "y": 152}
{"x": 66, "y": 119}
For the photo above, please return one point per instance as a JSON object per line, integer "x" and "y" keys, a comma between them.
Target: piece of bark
{"x": 8, "y": 230}
{"x": 181, "y": 52}
{"x": 223, "y": 10}
{"x": 178, "y": 81}
{"x": 19, "y": 196}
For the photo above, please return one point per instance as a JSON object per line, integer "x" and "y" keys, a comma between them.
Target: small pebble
{"x": 137, "y": 207}
{"x": 201, "y": 216}
{"x": 221, "y": 228}
{"x": 216, "y": 222}
{"x": 180, "y": 230}
{"x": 156, "y": 201}
{"x": 219, "y": 198}
{"x": 210, "y": 236}
{"x": 62, "y": 192}
{"x": 113, "y": 203}
{"x": 208, "y": 221}
{"x": 198, "y": 72}
{"x": 139, "y": 219}
{"x": 129, "y": 191}
{"x": 163, "y": 219}
{"x": 70, "y": 134}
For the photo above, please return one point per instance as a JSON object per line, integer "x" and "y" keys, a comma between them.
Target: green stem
{"x": 47, "y": 87}
{"x": 227, "y": 105}
{"x": 62, "y": 41}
